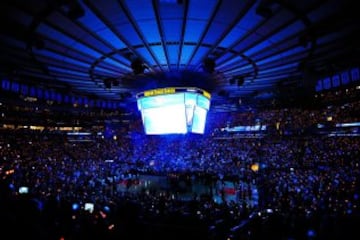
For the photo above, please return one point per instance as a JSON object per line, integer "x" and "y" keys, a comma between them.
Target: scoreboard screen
{"x": 174, "y": 110}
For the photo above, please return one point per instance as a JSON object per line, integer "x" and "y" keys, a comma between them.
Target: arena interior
{"x": 179, "y": 119}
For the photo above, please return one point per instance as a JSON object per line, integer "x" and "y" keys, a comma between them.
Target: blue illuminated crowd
{"x": 308, "y": 184}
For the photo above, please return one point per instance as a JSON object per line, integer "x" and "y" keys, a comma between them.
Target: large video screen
{"x": 173, "y": 110}
{"x": 166, "y": 119}
{"x": 199, "y": 120}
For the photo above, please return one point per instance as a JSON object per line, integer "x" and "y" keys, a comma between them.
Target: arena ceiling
{"x": 235, "y": 49}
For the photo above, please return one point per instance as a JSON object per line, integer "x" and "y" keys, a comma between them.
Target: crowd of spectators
{"x": 308, "y": 185}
